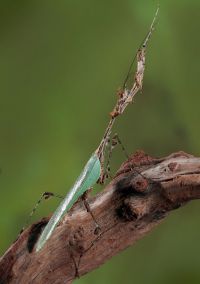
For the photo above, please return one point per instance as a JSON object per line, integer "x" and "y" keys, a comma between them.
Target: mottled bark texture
{"x": 140, "y": 196}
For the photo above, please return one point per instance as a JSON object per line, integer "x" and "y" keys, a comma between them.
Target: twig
{"x": 127, "y": 209}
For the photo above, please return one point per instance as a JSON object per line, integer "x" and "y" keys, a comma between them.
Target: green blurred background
{"x": 61, "y": 63}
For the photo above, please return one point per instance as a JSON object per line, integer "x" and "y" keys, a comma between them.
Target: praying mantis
{"x": 93, "y": 171}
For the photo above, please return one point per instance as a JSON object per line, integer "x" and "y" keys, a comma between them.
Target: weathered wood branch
{"x": 140, "y": 196}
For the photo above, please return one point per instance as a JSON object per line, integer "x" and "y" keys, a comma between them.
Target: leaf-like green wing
{"x": 87, "y": 178}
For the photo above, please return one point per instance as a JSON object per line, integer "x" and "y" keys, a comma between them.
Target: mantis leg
{"x": 87, "y": 206}
{"x": 84, "y": 198}
{"x": 46, "y": 195}
{"x": 112, "y": 144}
{"x": 76, "y": 264}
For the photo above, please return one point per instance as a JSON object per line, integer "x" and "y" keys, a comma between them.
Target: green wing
{"x": 87, "y": 178}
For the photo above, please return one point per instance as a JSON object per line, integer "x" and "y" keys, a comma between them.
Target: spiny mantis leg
{"x": 84, "y": 198}
{"x": 76, "y": 264}
{"x": 87, "y": 206}
{"x": 112, "y": 144}
{"x": 96, "y": 232}
{"x": 89, "y": 247}
{"x": 46, "y": 195}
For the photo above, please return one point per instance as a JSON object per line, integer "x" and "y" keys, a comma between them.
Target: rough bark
{"x": 140, "y": 196}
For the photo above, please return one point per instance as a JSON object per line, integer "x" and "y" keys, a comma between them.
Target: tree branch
{"x": 140, "y": 196}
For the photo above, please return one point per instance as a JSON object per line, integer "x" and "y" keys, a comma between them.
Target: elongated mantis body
{"x": 94, "y": 169}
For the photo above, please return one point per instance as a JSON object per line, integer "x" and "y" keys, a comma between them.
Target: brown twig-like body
{"x": 127, "y": 209}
